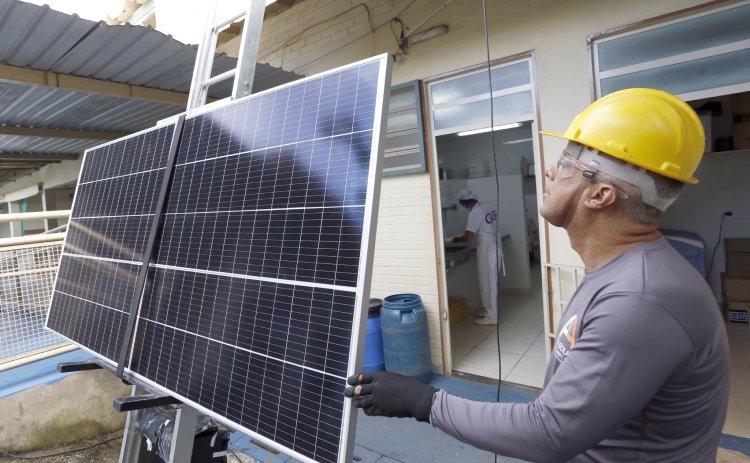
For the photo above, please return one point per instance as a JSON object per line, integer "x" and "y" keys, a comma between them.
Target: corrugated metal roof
{"x": 43, "y": 145}
{"x": 39, "y": 38}
{"x": 49, "y": 107}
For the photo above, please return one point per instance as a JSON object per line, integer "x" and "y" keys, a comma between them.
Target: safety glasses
{"x": 567, "y": 165}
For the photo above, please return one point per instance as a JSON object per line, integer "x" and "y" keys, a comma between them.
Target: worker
{"x": 639, "y": 370}
{"x": 482, "y": 224}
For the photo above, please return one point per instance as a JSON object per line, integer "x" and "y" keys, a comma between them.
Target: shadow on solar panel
{"x": 224, "y": 258}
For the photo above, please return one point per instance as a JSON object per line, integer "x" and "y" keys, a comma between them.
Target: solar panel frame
{"x": 359, "y": 287}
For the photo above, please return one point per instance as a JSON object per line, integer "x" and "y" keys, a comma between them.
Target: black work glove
{"x": 390, "y": 394}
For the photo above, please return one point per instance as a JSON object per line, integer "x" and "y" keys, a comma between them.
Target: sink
{"x": 457, "y": 255}
{"x": 454, "y": 249}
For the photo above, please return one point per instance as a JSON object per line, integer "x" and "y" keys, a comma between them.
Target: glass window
{"x": 503, "y": 77}
{"x": 720, "y": 28}
{"x": 507, "y": 108}
{"x": 404, "y": 137}
{"x": 714, "y": 71}
{"x": 463, "y": 103}
{"x": 704, "y": 52}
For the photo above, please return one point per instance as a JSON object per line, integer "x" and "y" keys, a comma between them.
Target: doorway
{"x": 498, "y": 164}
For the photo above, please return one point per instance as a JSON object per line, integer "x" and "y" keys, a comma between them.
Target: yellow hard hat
{"x": 646, "y": 127}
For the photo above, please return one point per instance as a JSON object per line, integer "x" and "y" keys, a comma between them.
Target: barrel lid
{"x": 374, "y": 307}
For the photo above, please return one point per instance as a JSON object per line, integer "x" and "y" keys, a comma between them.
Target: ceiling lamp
{"x": 429, "y": 34}
{"x": 488, "y": 129}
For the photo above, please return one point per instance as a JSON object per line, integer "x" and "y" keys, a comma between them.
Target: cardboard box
{"x": 737, "y": 312}
{"x": 458, "y": 309}
{"x": 737, "y": 244}
{"x": 735, "y": 289}
{"x": 738, "y": 305}
{"x": 741, "y": 103}
{"x": 738, "y": 264}
{"x": 741, "y": 135}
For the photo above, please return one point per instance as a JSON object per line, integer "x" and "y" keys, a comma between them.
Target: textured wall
{"x": 405, "y": 259}
{"x": 76, "y": 407}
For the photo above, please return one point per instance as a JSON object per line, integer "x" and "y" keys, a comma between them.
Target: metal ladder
{"x": 244, "y": 72}
{"x": 186, "y": 419}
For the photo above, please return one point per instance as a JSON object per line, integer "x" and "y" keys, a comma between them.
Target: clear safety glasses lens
{"x": 566, "y": 166}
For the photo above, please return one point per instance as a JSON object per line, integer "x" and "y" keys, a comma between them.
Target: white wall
{"x": 51, "y": 175}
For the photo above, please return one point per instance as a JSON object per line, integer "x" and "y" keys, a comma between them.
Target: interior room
{"x": 697, "y": 225}
{"x": 505, "y": 182}
{"x": 716, "y": 207}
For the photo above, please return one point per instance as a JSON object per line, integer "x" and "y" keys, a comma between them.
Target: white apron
{"x": 482, "y": 222}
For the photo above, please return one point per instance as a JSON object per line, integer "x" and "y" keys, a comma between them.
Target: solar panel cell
{"x": 118, "y": 238}
{"x": 91, "y": 297}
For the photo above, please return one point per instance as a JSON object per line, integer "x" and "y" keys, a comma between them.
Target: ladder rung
{"x": 219, "y": 77}
{"x": 230, "y": 20}
{"x": 243, "y": 74}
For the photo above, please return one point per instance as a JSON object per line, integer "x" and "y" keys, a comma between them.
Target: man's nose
{"x": 550, "y": 172}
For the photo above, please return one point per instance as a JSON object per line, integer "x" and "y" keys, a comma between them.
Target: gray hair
{"x": 643, "y": 207}
{"x": 631, "y": 202}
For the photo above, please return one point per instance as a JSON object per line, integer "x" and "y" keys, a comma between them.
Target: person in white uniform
{"x": 482, "y": 224}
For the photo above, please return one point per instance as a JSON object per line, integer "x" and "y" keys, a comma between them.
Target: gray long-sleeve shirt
{"x": 639, "y": 372}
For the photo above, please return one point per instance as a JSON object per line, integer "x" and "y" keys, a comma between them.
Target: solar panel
{"x": 114, "y": 206}
{"x": 251, "y": 310}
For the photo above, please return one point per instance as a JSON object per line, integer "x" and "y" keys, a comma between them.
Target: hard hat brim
{"x": 553, "y": 134}
{"x": 690, "y": 180}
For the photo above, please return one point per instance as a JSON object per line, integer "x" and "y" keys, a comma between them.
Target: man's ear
{"x": 600, "y": 195}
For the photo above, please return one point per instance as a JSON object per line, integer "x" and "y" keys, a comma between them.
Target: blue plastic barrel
{"x": 373, "y": 355}
{"x": 406, "y": 344}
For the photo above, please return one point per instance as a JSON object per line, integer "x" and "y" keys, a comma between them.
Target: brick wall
{"x": 405, "y": 249}
{"x": 313, "y": 28}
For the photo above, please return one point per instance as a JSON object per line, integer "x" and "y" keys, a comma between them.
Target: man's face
{"x": 467, "y": 205}
{"x": 561, "y": 192}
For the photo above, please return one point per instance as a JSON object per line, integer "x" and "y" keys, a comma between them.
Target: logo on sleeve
{"x": 566, "y": 340}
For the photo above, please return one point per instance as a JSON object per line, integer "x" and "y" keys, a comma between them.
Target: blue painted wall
{"x": 36, "y": 373}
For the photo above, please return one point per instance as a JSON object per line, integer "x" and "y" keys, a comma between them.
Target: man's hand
{"x": 390, "y": 394}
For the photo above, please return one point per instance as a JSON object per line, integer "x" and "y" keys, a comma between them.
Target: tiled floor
{"x": 474, "y": 348}
{"x": 524, "y": 362}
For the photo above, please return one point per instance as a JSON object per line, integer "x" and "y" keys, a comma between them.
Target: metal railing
{"x": 562, "y": 281}
{"x": 28, "y": 266}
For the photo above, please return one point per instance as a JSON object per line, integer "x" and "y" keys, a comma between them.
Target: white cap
{"x": 467, "y": 195}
